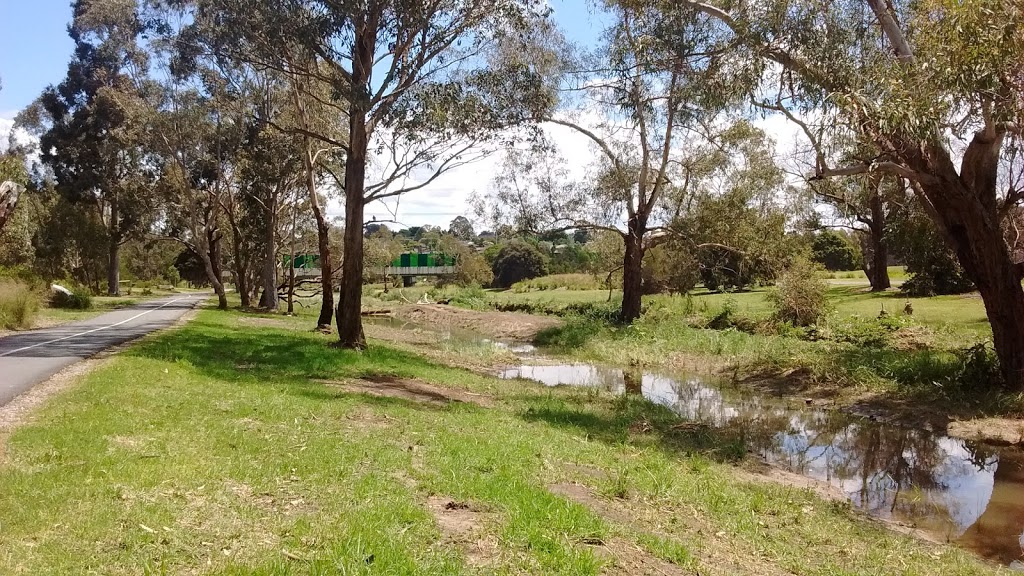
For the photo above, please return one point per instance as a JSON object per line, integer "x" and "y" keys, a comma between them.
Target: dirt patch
{"x": 464, "y": 526}
{"x": 406, "y": 389}
{"x": 761, "y": 472}
{"x": 995, "y": 431}
{"x": 627, "y": 559}
{"x": 502, "y": 325}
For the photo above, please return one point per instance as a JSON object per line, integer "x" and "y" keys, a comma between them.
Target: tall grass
{"x": 559, "y": 282}
{"x": 19, "y": 305}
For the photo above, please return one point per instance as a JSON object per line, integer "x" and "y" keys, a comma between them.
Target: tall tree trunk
{"x": 879, "y": 276}
{"x": 216, "y": 271}
{"x": 632, "y": 272}
{"x": 114, "y": 252}
{"x": 269, "y": 275}
{"x": 323, "y": 229}
{"x": 964, "y": 206}
{"x": 350, "y": 323}
{"x": 350, "y": 298}
{"x": 240, "y": 268}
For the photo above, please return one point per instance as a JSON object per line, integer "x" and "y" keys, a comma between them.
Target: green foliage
{"x": 516, "y": 261}
{"x": 570, "y": 258}
{"x": 191, "y": 268}
{"x": 932, "y": 267}
{"x": 868, "y": 332}
{"x": 471, "y": 268}
{"x": 669, "y": 268}
{"x": 574, "y": 333}
{"x": 19, "y": 304}
{"x": 800, "y": 297}
{"x": 559, "y": 282}
{"x": 80, "y": 298}
{"x": 835, "y": 251}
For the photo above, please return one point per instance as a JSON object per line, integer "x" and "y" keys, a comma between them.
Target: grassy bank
{"x": 245, "y": 445}
{"x": 934, "y": 357}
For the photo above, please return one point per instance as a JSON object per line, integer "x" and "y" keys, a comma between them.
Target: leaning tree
{"x": 937, "y": 87}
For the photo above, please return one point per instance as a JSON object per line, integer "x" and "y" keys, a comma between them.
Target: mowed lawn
{"x": 245, "y": 445}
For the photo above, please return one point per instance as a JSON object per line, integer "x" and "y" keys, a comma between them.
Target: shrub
{"x": 80, "y": 298}
{"x": 800, "y": 297}
{"x": 835, "y": 251}
{"x": 518, "y": 261}
{"x": 18, "y": 305}
{"x": 559, "y": 282}
{"x": 868, "y": 332}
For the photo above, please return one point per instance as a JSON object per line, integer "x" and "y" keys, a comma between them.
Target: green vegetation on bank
{"x": 241, "y": 444}
{"x": 897, "y": 349}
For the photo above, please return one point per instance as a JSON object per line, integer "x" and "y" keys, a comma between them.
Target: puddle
{"x": 959, "y": 491}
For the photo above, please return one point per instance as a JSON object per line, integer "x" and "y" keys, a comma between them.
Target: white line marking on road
{"x": 94, "y": 329}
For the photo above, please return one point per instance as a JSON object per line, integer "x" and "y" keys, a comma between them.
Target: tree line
{"x": 220, "y": 124}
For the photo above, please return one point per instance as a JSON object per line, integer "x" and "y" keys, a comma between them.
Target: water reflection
{"x": 958, "y": 490}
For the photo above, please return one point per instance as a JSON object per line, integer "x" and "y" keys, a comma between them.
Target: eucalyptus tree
{"x": 90, "y": 125}
{"x": 653, "y": 107}
{"x": 185, "y": 130}
{"x": 936, "y": 87}
{"x": 416, "y": 89}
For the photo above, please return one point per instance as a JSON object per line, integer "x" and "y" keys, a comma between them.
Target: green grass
{"x": 924, "y": 363}
{"x": 212, "y": 449}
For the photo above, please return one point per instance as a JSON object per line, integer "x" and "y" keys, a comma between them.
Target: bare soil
{"x": 464, "y": 526}
{"x": 501, "y": 325}
{"x": 996, "y": 431}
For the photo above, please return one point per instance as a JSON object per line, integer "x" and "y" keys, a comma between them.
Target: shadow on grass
{"x": 274, "y": 355}
{"x": 634, "y": 420}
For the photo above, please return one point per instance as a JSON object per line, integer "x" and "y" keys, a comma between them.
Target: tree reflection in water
{"x": 958, "y": 490}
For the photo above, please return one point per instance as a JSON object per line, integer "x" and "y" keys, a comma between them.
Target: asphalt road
{"x": 28, "y": 358}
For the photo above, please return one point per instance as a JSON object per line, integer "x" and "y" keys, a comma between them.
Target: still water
{"x": 960, "y": 491}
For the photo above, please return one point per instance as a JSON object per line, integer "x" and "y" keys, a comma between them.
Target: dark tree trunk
{"x": 114, "y": 252}
{"x": 878, "y": 275}
{"x": 632, "y": 272}
{"x": 350, "y": 322}
{"x": 964, "y": 206}
{"x": 114, "y": 268}
{"x": 268, "y": 300}
{"x": 350, "y": 298}
{"x": 240, "y": 268}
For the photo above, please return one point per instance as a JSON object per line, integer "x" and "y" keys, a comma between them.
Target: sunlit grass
{"x": 217, "y": 448}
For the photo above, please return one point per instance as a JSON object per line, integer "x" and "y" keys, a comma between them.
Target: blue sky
{"x": 35, "y": 48}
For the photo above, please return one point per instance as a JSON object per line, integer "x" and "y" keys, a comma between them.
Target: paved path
{"x": 28, "y": 358}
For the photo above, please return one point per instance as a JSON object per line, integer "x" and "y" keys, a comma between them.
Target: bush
{"x": 800, "y": 297}
{"x": 559, "y": 282}
{"x": 518, "y": 261}
{"x": 869, "y": 332}
{"x": 80, "y": 298}
{"x": 835, "y": 251}
{"x": 18, "y": 305}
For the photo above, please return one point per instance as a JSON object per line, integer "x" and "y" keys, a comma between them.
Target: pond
{"x": 959, "y": 491}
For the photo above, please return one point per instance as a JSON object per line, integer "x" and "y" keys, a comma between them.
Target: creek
{"x": 958, "y": 491}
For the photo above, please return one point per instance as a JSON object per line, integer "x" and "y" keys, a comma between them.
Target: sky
{"x": 35, "y": 49}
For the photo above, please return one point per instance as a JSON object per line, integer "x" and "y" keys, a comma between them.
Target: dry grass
{"x": 19, "y": 305}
